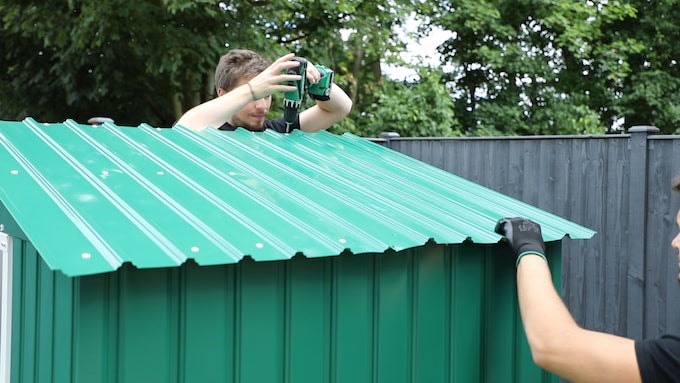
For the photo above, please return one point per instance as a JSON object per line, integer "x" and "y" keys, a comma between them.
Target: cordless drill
{"x": 320, "y": 91}
{"x": 293, "y": 99}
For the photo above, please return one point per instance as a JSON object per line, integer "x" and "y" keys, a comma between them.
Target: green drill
{"x": 293, "y": 99}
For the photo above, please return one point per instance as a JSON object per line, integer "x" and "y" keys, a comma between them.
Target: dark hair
{"x": 236, "y": 65}
{"x": 676, "y": 184}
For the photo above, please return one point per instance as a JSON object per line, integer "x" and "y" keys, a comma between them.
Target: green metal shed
{"x": 136, "y": 254}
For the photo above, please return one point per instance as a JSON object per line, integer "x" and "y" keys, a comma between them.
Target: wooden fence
{"x": 623, "y": 281}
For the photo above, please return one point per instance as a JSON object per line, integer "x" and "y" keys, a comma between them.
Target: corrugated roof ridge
{"x": 135, "y": 218}
{"x": 214, "y": 148}
{"x": 265, "y": 237}
{"x": 365, "y": 185}
{"x": 404, "y": 230}
{"x": 60, "y": 204}
{"x": 433, "y": 203}
{"x": 164, "y": 197}
{"x": 509, "y": 208}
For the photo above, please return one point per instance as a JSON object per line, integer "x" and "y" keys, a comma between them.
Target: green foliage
{"x": 512, "y": 67}
{"x": 649, "y": 95}
{"x": 423, "y": 108}
{"x": 151, "y": 60}
{"x": 653, "y": 99}
{"x": 549, "y": 67}
{"x": 131, "y": 61}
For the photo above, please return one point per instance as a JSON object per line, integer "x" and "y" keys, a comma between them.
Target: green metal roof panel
{"x": 90, "y": 198}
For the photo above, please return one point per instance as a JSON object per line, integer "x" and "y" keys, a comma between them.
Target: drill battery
{"x": 322, "y": 90}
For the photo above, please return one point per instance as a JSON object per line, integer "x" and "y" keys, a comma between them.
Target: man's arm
{"x": 557, "y": 343}
{"x": 217, "y": 111}
{"x": 326, "y": 113}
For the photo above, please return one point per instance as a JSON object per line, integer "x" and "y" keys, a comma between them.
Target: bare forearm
{"x": 217, "y": 111}
{"x": 339, "y": 102}
{"x": 326, "y": 113}
{"x": 558, "y": 344}
{"x": 545, "y": 317}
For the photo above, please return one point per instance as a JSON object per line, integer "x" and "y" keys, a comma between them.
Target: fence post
{"x": 637, "y": 230}
{"x": 388, "y": 136}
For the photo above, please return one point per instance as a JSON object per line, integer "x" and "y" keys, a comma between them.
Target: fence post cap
{"x": 389, "y": 135}
{"x": 643, "y": 129}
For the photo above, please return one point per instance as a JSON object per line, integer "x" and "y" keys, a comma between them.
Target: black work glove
{"x": 524, "y": 236}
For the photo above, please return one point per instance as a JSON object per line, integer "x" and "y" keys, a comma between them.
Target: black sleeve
{"x": 659, "y": 359}
{"x": 279, "y": 124}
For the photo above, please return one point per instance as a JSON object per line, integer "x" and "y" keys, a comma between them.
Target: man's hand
{"x": 275, "y": 78}
{"x": 524, "y": 236}
{"x": 313, "y": 74}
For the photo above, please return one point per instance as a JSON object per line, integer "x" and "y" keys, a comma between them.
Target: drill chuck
{"x": 290, "y": 110}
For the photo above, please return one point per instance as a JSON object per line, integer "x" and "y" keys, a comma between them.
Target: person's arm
{"x": 217, "y": 111}
{"x": 557, "y": 343}
{"x": 325, "y": 113}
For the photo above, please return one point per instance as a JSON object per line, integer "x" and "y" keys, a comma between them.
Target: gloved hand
{"x": 524, "y": 236}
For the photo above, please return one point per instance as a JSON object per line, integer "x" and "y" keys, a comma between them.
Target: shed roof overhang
{"x": 90, "y": 198}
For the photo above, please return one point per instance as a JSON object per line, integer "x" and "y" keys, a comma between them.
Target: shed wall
{"x": 430, "y": 314}
{"x": 42, "y": 329}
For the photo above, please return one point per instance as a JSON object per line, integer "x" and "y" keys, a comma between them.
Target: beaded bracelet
{"x": 250, "y": 87}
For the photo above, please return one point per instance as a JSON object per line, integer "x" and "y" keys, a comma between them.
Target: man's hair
{"x": 676, "y": 184}
{"x": 236, "y": 65}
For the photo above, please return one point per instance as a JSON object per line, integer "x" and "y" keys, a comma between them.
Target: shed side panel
{"x": 353, "y": 323}
{"x": 308, "y": 317}
{"x": 95, "y": 346}
{"x": 210, "y": 324}
{"x": 42, "y": 307}
{"x": 394, "y": 319}
{"x": 431, "y": 320}
{"x": 260, "y": 322}
{"x": 436, "y": 313}
{"x": 467, "y": 314}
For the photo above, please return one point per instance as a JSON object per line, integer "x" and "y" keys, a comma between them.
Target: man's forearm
{"x": 339, "y": 102}
{"x": 217, "y": 111}
{"x": 545, "y": 317}
{"x": 558, "y": 344}
{"x": 326, "y": 113}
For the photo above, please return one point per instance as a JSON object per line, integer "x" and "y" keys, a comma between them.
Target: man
{"x": 245, "y": 82}
{"x": 558, "y": 344}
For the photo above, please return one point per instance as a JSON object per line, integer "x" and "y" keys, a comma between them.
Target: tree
{"x": 527, "y": 67}
{"x": 519, "y": 67}
{"x": 650, "y": 95}
{"x": 128, "y": 60}
{"x": 421, "y": 108}
{"x": 149, "y": 61}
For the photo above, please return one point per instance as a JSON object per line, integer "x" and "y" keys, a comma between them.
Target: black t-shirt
{"x": 659, "y": 359}
{"x": 277, "y": 124}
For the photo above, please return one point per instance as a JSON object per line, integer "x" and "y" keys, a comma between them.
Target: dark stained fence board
{"x": 624, "y": 279}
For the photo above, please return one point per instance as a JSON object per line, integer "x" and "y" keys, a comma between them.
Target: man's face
{"x": 676, "y": 241}
{"x": 252, "y": 115}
